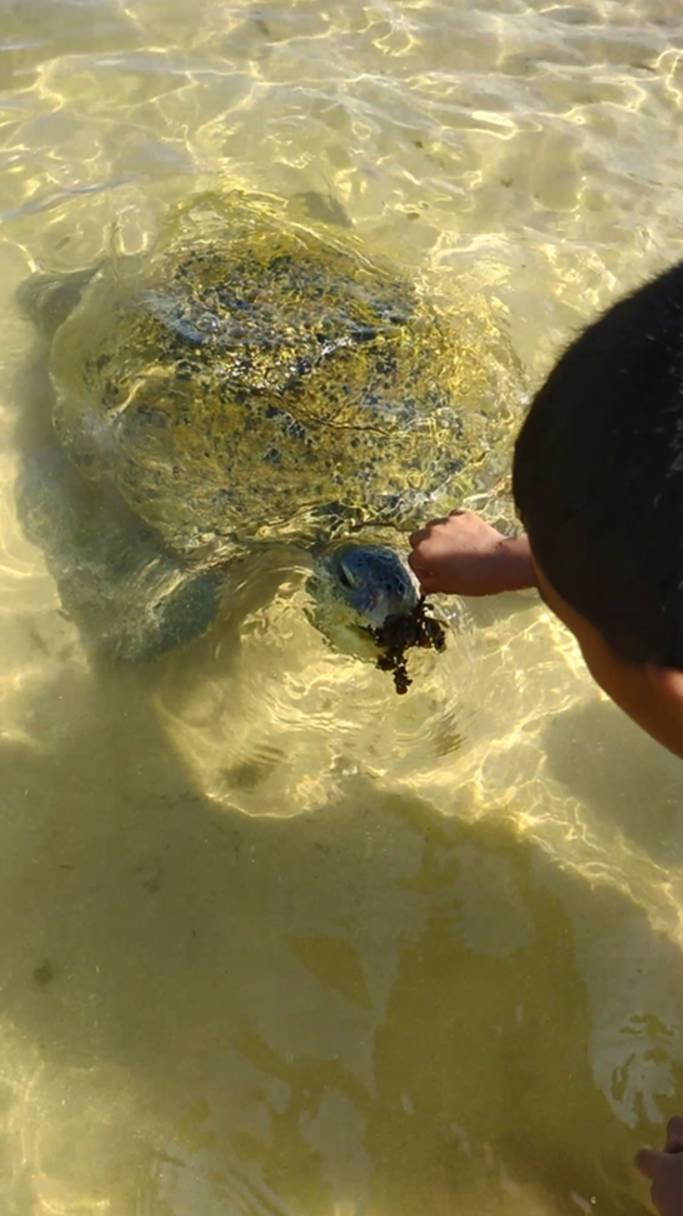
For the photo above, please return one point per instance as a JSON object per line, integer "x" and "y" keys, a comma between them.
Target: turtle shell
{"x": 249, "y": 378}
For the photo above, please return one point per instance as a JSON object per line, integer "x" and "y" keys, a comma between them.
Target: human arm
{"x": 665, "y": 1170}
{"x": 461, "y": 554}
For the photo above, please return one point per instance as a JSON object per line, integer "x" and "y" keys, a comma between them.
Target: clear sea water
{"x": 275, "y": 940}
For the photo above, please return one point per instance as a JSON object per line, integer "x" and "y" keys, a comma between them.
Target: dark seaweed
{"x": 399, "y": 634}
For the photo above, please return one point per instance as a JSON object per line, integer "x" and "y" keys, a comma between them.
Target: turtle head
{"x": 356, "y": 588}
{"x": 372, "y": 581}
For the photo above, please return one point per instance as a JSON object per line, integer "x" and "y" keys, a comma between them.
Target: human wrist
{"x": 519, "y": 567}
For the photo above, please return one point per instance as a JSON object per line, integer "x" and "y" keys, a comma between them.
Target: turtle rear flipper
{"x": 130, "y": 600}
{"x": 47, "y": 299}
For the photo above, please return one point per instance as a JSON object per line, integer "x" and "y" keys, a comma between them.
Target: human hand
{"x": 665, "y": 1170}
{"x": 463, "y": 555}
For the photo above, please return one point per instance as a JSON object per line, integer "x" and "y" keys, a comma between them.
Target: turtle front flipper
{"x": 130, "y": 600}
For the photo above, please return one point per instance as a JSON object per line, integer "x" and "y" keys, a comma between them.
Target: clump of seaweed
{"x": 399, "y": 634}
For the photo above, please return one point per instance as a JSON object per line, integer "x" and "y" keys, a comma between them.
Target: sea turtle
{"x": 245, "y": 381}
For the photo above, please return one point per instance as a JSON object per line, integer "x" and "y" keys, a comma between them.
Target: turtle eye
{"x": 346, "y": 578}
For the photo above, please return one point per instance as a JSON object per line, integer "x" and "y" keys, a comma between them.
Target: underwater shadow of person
{"x": 333, "y": 996}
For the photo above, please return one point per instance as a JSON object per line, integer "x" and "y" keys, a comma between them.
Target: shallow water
{"x": 275, "y": 940}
